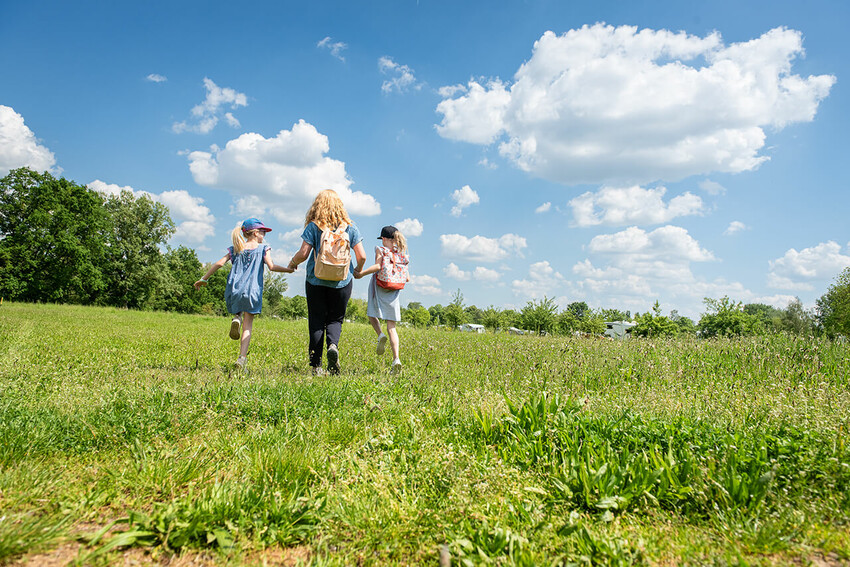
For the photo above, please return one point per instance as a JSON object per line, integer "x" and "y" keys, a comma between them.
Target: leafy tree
{"x": 685, "y": 324}
{"x": 454, "y": 314}
{"x": 654, "y": 324}
{"x": 511, "y": 318}
{"x": 796, "y": 319}
{"x": 833, "y": 307}
{"x": 356, "y": 310}
{"x": 414, "y": 305}
{"x": 567, "y": 323}
{"x": 473, "y": 315}
{"x": 593, "y": 323}
{"x": 51, "y": 244}
{"x": 419, "y": 316}
{"x": 727, "y": 318}
{"x": 211, "y": 297}
{"x": 274, "y": 286}
{"x": 539, "y": 316}
{"x": 767, "y": 315}
{"x": 437, "y": 313}
{"x": 578, "y": 308}
{"x": 134, "y": 265}
{"x": 491, "y": 318}
{"x": 616, "y": 315}
{"x": 176, "y": 292}
{"x": 293, "y": 307}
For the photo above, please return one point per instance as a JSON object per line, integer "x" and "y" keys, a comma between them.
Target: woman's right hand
{"x": 200, "y": 283}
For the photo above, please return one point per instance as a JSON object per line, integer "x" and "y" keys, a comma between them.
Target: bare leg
{"x": 391, "y": 332}
{"x": 247, "y": 326}
{"x": 376, "y": 324}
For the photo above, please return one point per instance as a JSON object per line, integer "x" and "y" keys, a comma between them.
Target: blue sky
{"x": 617, "y": 153}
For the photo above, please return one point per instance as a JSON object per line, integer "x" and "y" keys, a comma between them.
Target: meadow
{"x": 127, "y": 438}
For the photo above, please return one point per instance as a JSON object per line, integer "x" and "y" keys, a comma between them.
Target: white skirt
{"x": 383, "y": 303}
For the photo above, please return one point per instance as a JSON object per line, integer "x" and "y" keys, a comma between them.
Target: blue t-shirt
{"x": 311, "y": 235}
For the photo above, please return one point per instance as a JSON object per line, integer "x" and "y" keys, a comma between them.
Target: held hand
{"x": 200, "y": 283}
{"x": 288, "y": 270}
{"x": 357, "y": 274}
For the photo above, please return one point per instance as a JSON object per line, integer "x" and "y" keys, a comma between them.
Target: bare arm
{"x": 302, "y": 254}
{"x": 360, "y": 255}
{"x": 267, "y": 258}
{"x": 371, "y": 269}
{"x": 213, "y": 269}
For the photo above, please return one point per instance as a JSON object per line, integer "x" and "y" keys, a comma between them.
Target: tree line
{"x": 61, "y": 242}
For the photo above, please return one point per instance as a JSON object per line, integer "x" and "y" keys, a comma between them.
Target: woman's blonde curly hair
{"x": 327, "y": 211}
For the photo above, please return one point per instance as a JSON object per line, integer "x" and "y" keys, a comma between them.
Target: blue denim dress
{"x": 244, "y": 291}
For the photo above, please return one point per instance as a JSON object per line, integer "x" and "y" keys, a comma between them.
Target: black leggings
{"x": 325, "y": 312}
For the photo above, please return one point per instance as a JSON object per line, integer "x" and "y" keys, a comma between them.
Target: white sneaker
{"x": 333, "y": 359}
{"x": 318, "y": 371}
{"x": 241, "y": 362}
{"x": 396, "y": 367}
{"x": 382, "y": 344}
{"x": 234, "y": 328}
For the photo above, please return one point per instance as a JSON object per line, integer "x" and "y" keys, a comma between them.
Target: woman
{"x": 327, "y": 299}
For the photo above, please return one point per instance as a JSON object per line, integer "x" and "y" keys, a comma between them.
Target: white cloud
{"x": 401, "y": 77}
{"x": 594, "y": 105}
{"x": 616, "y": 206}
{"x": 194, "y": 221}
{"x": 484, "y": 162}
{"x": 279, "y": 175}
{"x": 482, "y": 249}
{"x": 335, "y": 47}
{"x": 19, "y": 147}
{"x": 542, "y": 280}
{"x": 463, "y": 198}
{"x": 735, "y": 227}
{"x": 712, "y": 187}
{"x": 155, "y": 78}
{"x": 231, "y": 120}
{"x": 635, "y": 247}
{"x": 427, "y": 285}
{"x": 206, "y": 115}
{"x": 799, "y": 270}
{"x": 544, "y": 208}
{"x": 410, "y": 227}
{"x": 452, "y": 271}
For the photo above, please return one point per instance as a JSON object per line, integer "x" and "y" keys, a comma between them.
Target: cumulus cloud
{"x": 335, "y": 47}
{"x": 481, "y": 248}
{"x": 194, "y": 220}
{"x": 410, "y": 227}
{"x": 205, "y": 116}
{"x": 734, "y": 228}
{"x": 799, "y": 270}
{"x": 463, "y": 198}
{"x": 616, "y": 206}
{"x": 594, "y": 105}
{"x": 542, "y": 280}
{"x": 279, "y": 175}
{"x": 155, "y": 78}
{"x": 19, "y": 147}
{"x": 544, "y": 208}
{"x": 454, "y": 272}
{"x": 427, "y": 285}
{"x": 400, "y": 77}
{"x": 479, "y": 273}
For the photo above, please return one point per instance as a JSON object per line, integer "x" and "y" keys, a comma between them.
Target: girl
{"x": 327, "y": 299}
{"x": 244, "y": 292}
{"x": 384, "y": 301}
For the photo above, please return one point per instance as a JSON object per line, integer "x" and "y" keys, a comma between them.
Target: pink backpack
{"x": 393, "y": 273}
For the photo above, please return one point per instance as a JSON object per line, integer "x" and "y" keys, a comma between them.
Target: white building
{"x": 472, "y": 328}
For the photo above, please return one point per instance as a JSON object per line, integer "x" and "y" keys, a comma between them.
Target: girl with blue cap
{"x": 244, "y": 291}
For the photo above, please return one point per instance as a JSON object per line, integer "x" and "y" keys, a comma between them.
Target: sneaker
{"x": 318, "y": 371}
{"x": 396, "y": 367}
{"x": 382, "y": 344}
{"x": 241, "y": 362}
{"x": 333, "y": 359}
{"x": 234, "y": 328}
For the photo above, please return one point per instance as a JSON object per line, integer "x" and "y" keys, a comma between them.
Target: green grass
{"x": 123, "y": 430}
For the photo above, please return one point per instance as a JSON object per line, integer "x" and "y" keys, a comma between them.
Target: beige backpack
{"x": 333, "y": 257}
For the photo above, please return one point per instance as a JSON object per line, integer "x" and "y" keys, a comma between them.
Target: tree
{"x": 833, "y": 307}
{"x": 616, "y": 315}
{"x": 454, "y": 315}
{"x": 796, "y": 319}
{"x": 134, "y": 265}
{"x": 437, "y": 313}
{"x": 51, "y": 243}
{"x": 727, "y": 318}
{"x": 274, "y": 286}
{"x": 685, "y": 324}
{"x": 511, "y": 318}
{"x": 293, "y": 307}
{"x": 419, "y": 316}
{"x": 654, "y": 324}
{"x": 473, "y": 314}
{"x": 176, "y": 291}
{"x": 356, "y": 310}
{"x": 491, "y": 318}
{"x": 539, "y": 316}
{"x": 578, "y": 308}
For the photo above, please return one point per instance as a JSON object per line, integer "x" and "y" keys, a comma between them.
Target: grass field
{"x": 126, "y": 437}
